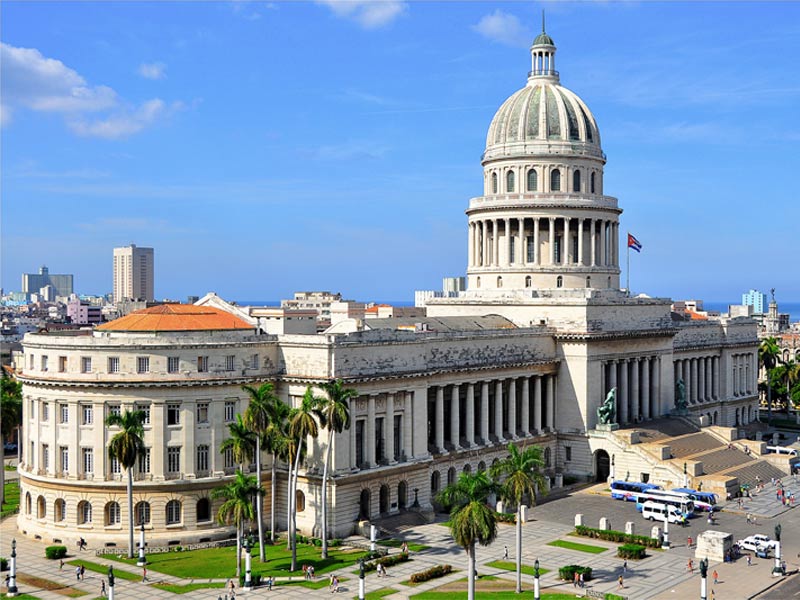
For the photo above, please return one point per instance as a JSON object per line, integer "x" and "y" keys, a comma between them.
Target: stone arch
{"x": 41, "y": 508}
{"x": 363, "y": 505}
{"x": 402, "y": 495}
{"x": 60, "y": 510}
{"x": 481, "y": 466}
{"x": 383, "y": 499}
{"x": 112, "y": 513}
{"x": 467, "y": 468}
{"x": 602, "y": 465}
{"x": 436, "y": 483}
{"x": 84, "y": 513}
{"x": 28, "y": 503}
{"x": 451, "y": 476}
{"x": 299, "y": 501}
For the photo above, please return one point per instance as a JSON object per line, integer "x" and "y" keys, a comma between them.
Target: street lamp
{"x": 110, "y": 582}
{"x": 248, "y": 557}
{"x": 704, "y": 579}
{"x": 777, "y": 571}
{"x": 536, "y": 594}
{"x": 142, "y": 561}
{"x": 362, "y": 582}
{"x": 685, "y": 478}
{"x": 665, "y": 543}
{"x": 12, "y": 578}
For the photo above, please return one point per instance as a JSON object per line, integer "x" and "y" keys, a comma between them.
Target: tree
{"x": 241, "y": 442}
{"x": 10, "y": 417}
{"x": 768, "y": 355}
{"x": 257, "y": 418}
{"x": 336, "y": 411}
{"x": 125, "y": 447}
{"x": 472, "y": 521}
{"x": 238, "y": 507}
{"x": 521, "y": 474}
{"x": 273, "y": 443}
{"x": 302, "y": 425}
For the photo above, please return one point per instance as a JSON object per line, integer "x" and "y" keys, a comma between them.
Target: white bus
{"x": 683, "y": 502}
{"x": 658, "y": 511}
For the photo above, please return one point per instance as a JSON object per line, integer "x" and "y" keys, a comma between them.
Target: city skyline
{"x": 268, "y": 148}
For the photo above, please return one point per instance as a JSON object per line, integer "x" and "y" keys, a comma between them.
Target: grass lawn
{"x": 22, "y": 597}
{"x": 377, "y": 594}
{"x": 102, "y": 569}
{"x": 509, "y": 565}
{"x": 218, "y": 563}
{"x": 506, "y": 595}
{"x": 412, "y": 546}
{"x": 576, "y": 546}
{"x": 320, "y": 583}
{"x": 11, "y": 504}
{"x": 189, "y": 587}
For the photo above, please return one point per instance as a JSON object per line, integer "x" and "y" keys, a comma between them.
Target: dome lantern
{"x": 543, "y": 57}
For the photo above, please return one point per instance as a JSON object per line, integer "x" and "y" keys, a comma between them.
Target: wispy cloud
{"x": 504, "y": 28}
{"x": 370, "y": 14}
{"x": 126, "y": 122}
{"x": 156, "y": 70}
{"x": 349, "y": 150}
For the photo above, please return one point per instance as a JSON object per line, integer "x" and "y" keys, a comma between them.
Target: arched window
{"x": 60, "y": 510}
{"x": 84, "y": 513}
{"x": 451, "y": 476}
{"x": 173, "y": 512}
{"x": 576, "y": 181}
{"x": 481, "y": 466}
{"x": 41, "y": 508}
{"x": 112, "y": 513}
{"x": 435, "y": 482}
{"x": 559, "y": 281}
{"x": 547, "y": 458}
{"x": 142, "y": 513}
{"x": 478, "y": 282}
{"x": 467, "y": 469}
{"x": 528, "y": 281}
{"x": 203, "y": 510}
{"x": 499, "y": 282}
{"x": 27, "y": 503}
{"x": 494, "y": 183}
{"x": 300, "y": 501}
{"x": 591, "y": 179}
{"x": 510, "y": 181}
{"x": 555, "y": 180}
{"x": 609, "y": 282}
{"x": 588, "y": 282}
{"x": 533, "y": 180}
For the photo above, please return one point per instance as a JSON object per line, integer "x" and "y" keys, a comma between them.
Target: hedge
{"x": 610, "y": 596}
{"x": 633, "y": 551}
{"x": 55, "y": 552}
{"x": 432, "y": 573}
{"x": 567, "y": 573}
{"x": 617, "y": 536}
{"x": 386, "y": 561}
{"x": 505, "y": 517}
{"x": 3, "y": 564}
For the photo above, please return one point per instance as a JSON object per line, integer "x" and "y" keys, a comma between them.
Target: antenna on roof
{"x": 542, "y": 20}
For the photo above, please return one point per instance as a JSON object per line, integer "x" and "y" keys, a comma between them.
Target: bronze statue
{"x": 607, "y": 411}
{"x": 680, "y": 395}
{"x": 703, "y": 567}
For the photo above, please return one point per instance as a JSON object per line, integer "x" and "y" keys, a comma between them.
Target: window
{"x": 510, "y": 181}
{"x": 173, "y": 512}
{"x": 142, "y": 513}
{"x": 87, "y": 413}
{"x": 230, "y": 411}
{"x": 555, "y": 180}
{"x": 115, "y": 466}
{"x": 63, "y": 413}
{"x": 591, "y": 180}
{"x": 254, "y": 361}
{"x": 142, "y": 364}
{"x": 203, "y": 510}
{"x": 173, "y": 364}
{"x": 576, "y": 181}
{"x": 28, "y": 503}
{"x": 114, "y": 409}
{"x": 547, "y": 458}
{"x": 144, "y": 461}
{"x": 62, "y": 364}
{"x": 113, "y": 364}
{"x": 145, "y": 408}
{"x": 174, "y": 460}
{"x": 478, "y": 282}
{"x": 299, "y": 501}
{"x": 202, "y": 364}
{"x": 44, "y": 363}
{"x": 84, "y": 513}
{"x": 559, "y": 281}
{"x": 88, "y": 460}
{"x": 202, "y": 458}
{"x": 112, "y": 513}
{"x": 588, "y": 282}
{"x": 31, "y": 361}
{"x": 45, "y": 411}
{"x": 60, "y": 510}
{"x": 46, "y": 457}
{"x": 227, "y": 456}
{"x": 533, "y": 180}
{"x": 568, "y": 453}
{"x": 41, "y": 508}
{"x": 173, "y": 414}
{"x": 528, "y": 281}
{"x": 86, "y": 364}
{"x": 230, "y": 361}
{"x": 202, "y": 412}
{"x": 499, "y": 282}
{"x": 494, "y": 183}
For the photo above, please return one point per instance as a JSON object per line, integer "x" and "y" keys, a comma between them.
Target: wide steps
{"x": 723, "y": 459}
{"x": 695, "y": 443}
{"x": 759, "y": 470}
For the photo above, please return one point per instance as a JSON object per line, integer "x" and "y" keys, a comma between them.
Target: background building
{"x": 133, "y": 274}
{"x": 33, "y": 282}
{"x": 755, "y": 299}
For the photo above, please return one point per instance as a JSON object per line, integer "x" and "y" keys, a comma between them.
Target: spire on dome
{"x": 543, "y": 56}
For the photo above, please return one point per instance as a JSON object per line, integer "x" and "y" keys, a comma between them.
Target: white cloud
{"x": 504, "y": 28}
{"x": 370, "y": 14}
{"x": 125, "y": 122}
{"x": 156, "y": 70}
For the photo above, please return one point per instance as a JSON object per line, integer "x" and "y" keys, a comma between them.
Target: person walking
{"x": 575, "y": 578}
{"x": 83, "y": 572}
{"x": 625, "y": 566}
{"x": 689, "y": 542}
{"x": 61, "y": 565}
{"x": 749, "y": 560}
{"x": 77, "y": 573}
{"x": 144, "y": 574}
{"x": 103, "y": 588}
{"x": 690, "y": 566}
{"x": 620, "y": 583}
{"x": 505, "y": 552}
{"x": 715, "y": 576}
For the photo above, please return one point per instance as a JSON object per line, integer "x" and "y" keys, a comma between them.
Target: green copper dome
{"x": 543, "y": 40}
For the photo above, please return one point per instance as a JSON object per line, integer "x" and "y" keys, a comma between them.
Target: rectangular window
{"x": 531, "y": 249}
{"x": 86, "y": 364}
{"x": 173, "y": 414}
{"x": 145, "y": 408}
{"x": 62, "y": 364}
{"x": 173, "y": 364}
{"x": 202, "y": 412}
{"x": 44, "y": 363}
{"x": 88, "y": 460}
{"x": 88, "y": 414}
{"x": 116, "y": 469}
{"x": 512, "y": 249}
{"x": 144, "y": 461}
{"x": 174, "y": 460}
{"x": 568, "y": 453}
{"x": 142, "y": 364}
{"x": 202, "y": 458}
{"x": 360, "y": 442}
{"x": 46, "y": 457}
{"x": 254, "y": 361}
{"x": 114, "y": 409}
{"x": 64, "y": 455}
{"x": 31, "y": 359}
{"x": 575, "y": 257}
{"x": 45, "y": 411}
{"x": 227, "y": 456}
{"x": 113, "y": 364}
{"x": 230, "y": 362}
{"x": 63, "y": 413}
{"x": 202, "y": 364}
{"x": 230, "y": 411}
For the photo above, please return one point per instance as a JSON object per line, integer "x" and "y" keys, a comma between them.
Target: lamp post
{"x": 12, "y": 578}
{"x": 704, "y": 579}
{"x": 142, "y": 561}
{"x": 416, "y": 499}
{"x": 248, "y": 557}
{"x": 612, "y": 466}
{"x": 110, "y": 583}
{"x": 520, "y": 510}
{"x": 665, "y": 543}
{"x": 536, "y": 594}
{"x": 776, "y": 570}
{"x": 685, "y": 477}
{"x": 362, "y": 581}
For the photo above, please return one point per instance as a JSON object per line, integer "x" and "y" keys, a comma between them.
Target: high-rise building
{"x": 33, "y": 282}
{"x": 755, "y": 299}
{"x": 133, "y": 274}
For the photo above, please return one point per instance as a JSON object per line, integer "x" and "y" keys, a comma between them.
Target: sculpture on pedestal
{"x": 680, "y": 395}
{"x": 607, "y": 411}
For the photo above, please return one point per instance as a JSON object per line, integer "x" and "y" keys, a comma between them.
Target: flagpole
{"x": 628, "y": 270}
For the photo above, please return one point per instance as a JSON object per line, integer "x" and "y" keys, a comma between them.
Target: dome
{"x": 176, "y": 317}
{"x": 543, "y": 40}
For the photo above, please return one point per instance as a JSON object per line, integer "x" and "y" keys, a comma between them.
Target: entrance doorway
{"x": 602, "y": 465}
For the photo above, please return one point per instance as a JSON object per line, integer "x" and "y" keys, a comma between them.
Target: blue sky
{"x": 263, "y": 148}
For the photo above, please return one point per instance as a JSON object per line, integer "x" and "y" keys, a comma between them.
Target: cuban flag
{"x": 634, "y": 243}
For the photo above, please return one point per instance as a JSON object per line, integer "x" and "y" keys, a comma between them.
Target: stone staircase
{"x": 757, "y": 470}
{"x": 686, "y": 446}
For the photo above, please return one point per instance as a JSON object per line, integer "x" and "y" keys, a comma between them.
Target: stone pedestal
{"x": 605, "y": 523}
{"x": 523, "y": 513}
{"x": 655, "y": 532}
{"x": 630, "y": 528}
{"x": 713, "y": 545}
{"x": 606, "y": 427}
{"x": 559, "y": 480}
{"x": 500, "y": 507}
{"x": 579, "y": 520}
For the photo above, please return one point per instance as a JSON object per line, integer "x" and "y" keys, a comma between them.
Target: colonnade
{"x": 514, "y": 241}
{"x": 744, "y": 373}
{"x": 701, "y": 378}
{"x": 638, "y": 383}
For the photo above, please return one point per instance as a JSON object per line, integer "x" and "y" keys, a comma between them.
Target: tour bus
{"x": 782, "y": 450}
{"x": 680, "y": 501}
{"x": 658, "y": 511}
{"x": 630, "y": 490}
{"x": 703, "y": 501}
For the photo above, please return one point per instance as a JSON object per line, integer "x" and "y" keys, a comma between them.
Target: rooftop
{"x": 177, "y": 317}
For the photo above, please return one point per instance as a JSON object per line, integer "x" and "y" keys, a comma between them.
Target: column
{"x": 602, "y": 257}
{"x": 636, "y": 407}
{"x": 615, "y": 243}
{"x": 701, "y": 380}
{"x": 419, "y": 415}
{"x": 536, "y": 258}
{"x": 693, "y": 377}
{"x": 612, "y": 375}
{"x": 470, "y": 420}
{"x": 408, "y": 426}
{"x": 353, "y": 464}
{"x": 485, "y": 413}
{"x": 552, "y": 240}
{"x": 537, "y": 404}
{"x": 526, "y": 406}
{"x": 484, "y": 244}
{"x": 580, "y": 242}
{"x": 551, "y": 402}
{"x": 623, "y": 393}
{"x": 496, "y": 242}
{"x": 656, "y": 383}
{"x": 471, "y": 246}
{"x": 687, "y": 377}
{"x": 370, "y": 430}
{"x": 716, "y": 377}
{"x": 388, "y": 429}
{"x": 523, "y": 243}
{"x": 593, "y": 229}
{"x": 566, "y": 252}
{"x": 512, "y": 408}
{"x": 455, "y": 418}
{"x": 440, "y": 418}
{"x": 509, "y": 243}
{"x": 498, "y": 411}
{"x": 646, "y": 388}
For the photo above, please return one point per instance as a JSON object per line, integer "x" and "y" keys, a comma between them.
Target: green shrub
{"x": 621, "y": 537}
{"x": 317, "y": 542}
{"x": 505, "y": 517}
{"x": 633, "y": 551}
{"x": 610, "y": 596}
{"x": 3, "y": 564}
{"x": 334, "y": 543}
{"x": 386, "y": 561}
{"x": 432, "y": 573}
{"x": 55, "y": 552}
{"x": 567, "y": 573}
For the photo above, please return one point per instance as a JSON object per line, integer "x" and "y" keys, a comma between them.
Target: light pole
{"x": 776, "y": 570}
{"x": 362, "y": 581}
{"x": 704, "y": 579}
{"x": 685, "y": 478}
{"x": 12, "y": 578}
{"x": 110, "y": 583}
{"x": 248, "y": 557}
{"x": 612, "y": 466}
{"x": 665, "y": 543}
{"x": 520, "y": 509}
{"x": 142, "y": 561}
{"x": 536, "y": 594}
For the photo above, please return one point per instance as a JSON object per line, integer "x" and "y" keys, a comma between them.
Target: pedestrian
{"x": 313, "y": 572}
{"x": 625, "y": 566}
{"x": 715, "y": 575}
{"x": 690, "y": 566}
{"x": 713, "y": 596}
{"x": 233, "y": 587}
{"x": 404, "y": 548}
{"x": 575, "y": 578}
{"x": 61, "y": 565}
{"x": 505, "y": 552}
{"x": 581, "y": 582}
{"x": 144, "y": 574}
{"x": 335, "y": 583}
{"x": 330, "y": 582}
{"x": 749, "y": 560}
{"x": 620, "y": 584}
{"x": 77, "y": 573}
{"x": 103, "y": 588}
{"x": 269, "y": 583}
{"x": 747, "y": 518}
{"x": 83, "y": 572}
{"x": 689, "y": 542}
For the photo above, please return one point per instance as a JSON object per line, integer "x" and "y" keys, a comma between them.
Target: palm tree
{"x": 241, "y": 442}
{"x": 336, "y": 408}
{"x": 768, "y": 354}
{"x": 521, "y": 472}
{"x": 10, "y": 417}
{"x": 126, "y": 446}
{"x": 273, "y": 443}
{"x": 471, "y": 519}
{"x": 257, "y": 418}
{"x": 302, "y": 425}
{"x": 238, "y": 507}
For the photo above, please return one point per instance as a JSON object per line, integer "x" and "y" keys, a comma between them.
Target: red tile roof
{"x": 177, "y": 317}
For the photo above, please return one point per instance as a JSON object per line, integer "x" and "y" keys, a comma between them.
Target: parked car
{"x": 756, "y": 543}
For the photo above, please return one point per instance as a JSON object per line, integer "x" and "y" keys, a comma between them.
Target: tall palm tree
{"x": 257, "y": 418}
{"x": 336, "y": 408}
{"x": 238, "y": 507}
{"x": 10, "y": 417}
{"x": 241, "y": 442}
{"x": 126, "y": 446}
{"x": 472, "y": 520}
{"x": 303, "y": 423}
{"x": 273, "y": 443}
{"x": 521, "y": 475}
{"x": 768, "y": 355}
